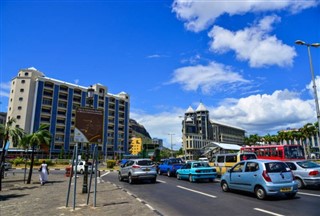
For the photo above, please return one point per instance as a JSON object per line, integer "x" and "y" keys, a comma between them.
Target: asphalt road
{"x": 170, "y": 196}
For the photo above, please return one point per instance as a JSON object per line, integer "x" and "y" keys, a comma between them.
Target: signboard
{"x": 88, "y": 125}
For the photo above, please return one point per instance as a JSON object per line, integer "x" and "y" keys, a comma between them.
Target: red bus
{"x": 276, "y": 152}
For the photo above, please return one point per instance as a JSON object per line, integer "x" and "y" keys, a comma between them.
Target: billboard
{"x": 88, "y": 125}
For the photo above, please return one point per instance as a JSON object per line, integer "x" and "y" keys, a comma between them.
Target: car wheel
{"x": 224, "y": 186}
{"x": 291, "y": 195}
{"x": 120, "y": 177}
{"x": 154, "y": 180}
{"x": 168, "y": 173}
{"x": 130, "y": 180}
{"x": 300, "y": 183}
{"x": 190, "y": 178}
{"x": 81, "y": 171}
{"x": 178, "y": 176}
{"x": 260, "y": 193}
{"x": 159, "y": 172}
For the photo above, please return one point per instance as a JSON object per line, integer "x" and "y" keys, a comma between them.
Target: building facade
{"x": 199, "y": 131}
{"x": 36, "y": 99}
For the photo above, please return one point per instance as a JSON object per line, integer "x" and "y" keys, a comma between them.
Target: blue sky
{"x": 236, "y": 57}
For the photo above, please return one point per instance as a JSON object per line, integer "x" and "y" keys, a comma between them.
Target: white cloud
{"x": 254, "y": 44}
{"x": 160, "y": 125}
{"x": 309, "y": 87}
{"x": 263, "y": 113}
{"x": 76, "y": 81}
{"x": 198, "y": 15}
{"x": 5, "y": 89}
{"x": 260, "y": 113}
{"x": 207, "y": 77}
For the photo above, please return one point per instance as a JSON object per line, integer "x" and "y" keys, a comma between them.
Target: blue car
{"x": 262, "y": 177}
{"x": 196, "y": 170}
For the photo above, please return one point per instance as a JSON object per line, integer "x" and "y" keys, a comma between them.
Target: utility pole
{"x": 171, "y": 134}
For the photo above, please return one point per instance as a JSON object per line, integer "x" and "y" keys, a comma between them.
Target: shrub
{"x": 17, "y": 161}
{"x": 111, "y": 163}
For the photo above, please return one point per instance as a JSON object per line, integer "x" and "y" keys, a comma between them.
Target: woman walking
{"x": 44, "y": 172}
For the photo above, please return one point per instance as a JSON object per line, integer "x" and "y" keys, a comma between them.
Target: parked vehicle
{"x": 170, "y": 166}
{"x": 223, "y": 162}
{"x": 81, "y": 167}
{"x": 306, "y": 173}
{"x": 196, "y": 170}
{"x": 262, "y": 177}
{"x": 7, "y": 166}
{"x": 138, "y": 169}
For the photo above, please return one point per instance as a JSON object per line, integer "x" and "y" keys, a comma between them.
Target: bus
{"x": 276, "y": 152}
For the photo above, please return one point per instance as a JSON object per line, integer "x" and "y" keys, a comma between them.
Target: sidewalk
{"x": 17, "y": 198}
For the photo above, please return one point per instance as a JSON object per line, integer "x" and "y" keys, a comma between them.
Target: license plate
{"x": 286, "y": 189}
{"x": 147, "y": 169}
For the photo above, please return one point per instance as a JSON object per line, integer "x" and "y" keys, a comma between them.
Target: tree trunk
{"x": 31, "y": 166}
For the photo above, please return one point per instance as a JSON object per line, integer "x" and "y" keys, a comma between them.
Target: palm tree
{"x": 41, "y": 136}
{"x": 9, "y": 132}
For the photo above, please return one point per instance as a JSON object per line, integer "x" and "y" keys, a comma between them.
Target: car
{"x": 261, "y": 177}
{"x": 81, "y": 167}
{"x": 196, "y": 170}
{"x": 306, "y": 172}
{"x": 138, "y": 169}
{"x": 7, "y": 166}
{"x": 170, "y": 166}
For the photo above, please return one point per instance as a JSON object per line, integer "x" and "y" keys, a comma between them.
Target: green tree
{"x": 41, "y": 136}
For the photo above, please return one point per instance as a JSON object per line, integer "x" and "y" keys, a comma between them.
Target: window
{"x": 19, "y": 107}
{"x": 18, "y": 117}
{"x": 21, "y": 90}
{"x": 231, "y": 158}
{"x": 238, "y": 168}
{"x": 252, "y": 167}
{"x": 220, "y": 159}
{"x": 20, "y": 98}
{"x": 23, "y": 81}
{"x": 26, "y": 74}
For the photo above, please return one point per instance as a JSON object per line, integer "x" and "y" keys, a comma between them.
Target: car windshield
{"x": 308, "y": 164}
{"x": 145, "y": 162}
{"x": 176, "y": 160}
{"x": 275, "y": 167}
{"x": 201, "y": 164}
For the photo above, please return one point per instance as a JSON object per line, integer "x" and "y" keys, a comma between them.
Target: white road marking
{"x": 196, "y": 191}
{"x": 161, "y": 181}
{"x": 309, "y": 194}
{"x": 268, "y": 212}
{"x": 105, "y": 174}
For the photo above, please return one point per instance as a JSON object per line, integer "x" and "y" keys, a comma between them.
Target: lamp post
{"x": 300, "y": 42}
{"x": 85, "y": 175}
{"x": 171, "y": 134}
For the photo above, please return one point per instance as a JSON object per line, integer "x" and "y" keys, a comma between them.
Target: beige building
{"x": 36, "y": 99}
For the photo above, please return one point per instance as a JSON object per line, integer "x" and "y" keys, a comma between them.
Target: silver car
{"x": 307, "y": 173}
{"x": 138, "y": 169}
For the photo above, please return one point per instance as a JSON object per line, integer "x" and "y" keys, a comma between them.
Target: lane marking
{"x": 205, "y": 194}
{"x": 161, "y": 181}
{"x": 268, "y": 212}
{"x": 105, "y": 174}
{"x": 309, "y": 194}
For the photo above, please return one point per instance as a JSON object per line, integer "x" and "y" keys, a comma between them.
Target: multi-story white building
{"x": 199, "y": 131}
{"x": 36, "y": 99}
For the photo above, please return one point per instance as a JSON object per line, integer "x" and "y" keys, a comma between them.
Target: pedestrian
{"x": 44, "y": 172}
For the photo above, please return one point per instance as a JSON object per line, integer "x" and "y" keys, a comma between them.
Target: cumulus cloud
{"x": 253, "y": 44}
{"x": 5, "y": 89}
{"x": 266, "y": 113}
{"x": 170, "y": 123}
{"x": 260, "y": 113}
{"x": 207, "y": 77}
{"x": 199, "y": 15}
{"x": 309, "y": 87}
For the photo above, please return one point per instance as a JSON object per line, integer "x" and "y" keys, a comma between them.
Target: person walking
{"x": 44, "y": 172}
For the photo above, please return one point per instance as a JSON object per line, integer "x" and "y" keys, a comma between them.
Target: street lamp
{"x": 90, "y": 94}
{"x": 171, "y": 134}
{"x": 300, "y": 42}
